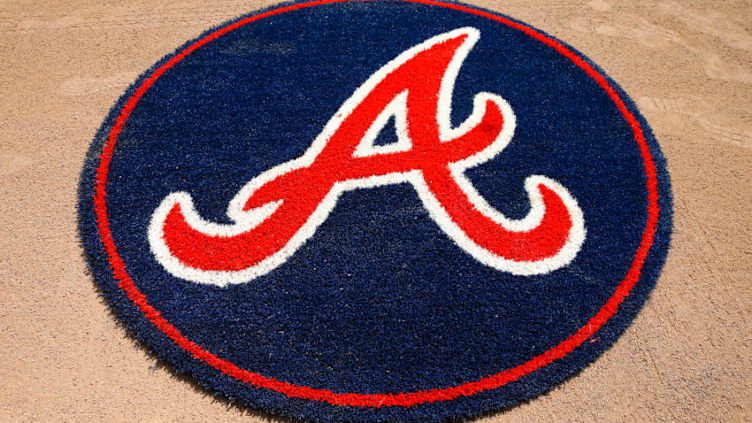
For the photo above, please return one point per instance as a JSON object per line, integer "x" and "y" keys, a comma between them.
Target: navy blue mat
{"x": 376, "y": 211}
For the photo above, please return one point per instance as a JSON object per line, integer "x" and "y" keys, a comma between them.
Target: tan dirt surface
{"x": 687, "y": 357}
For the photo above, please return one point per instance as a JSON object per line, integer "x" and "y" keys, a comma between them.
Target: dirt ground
{"x": 687, "y": 357}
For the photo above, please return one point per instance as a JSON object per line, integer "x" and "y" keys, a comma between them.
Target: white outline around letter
{"x": 246, "y": 220}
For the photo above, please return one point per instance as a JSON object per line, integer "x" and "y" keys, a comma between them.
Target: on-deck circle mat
{"x": 376, "y": 211}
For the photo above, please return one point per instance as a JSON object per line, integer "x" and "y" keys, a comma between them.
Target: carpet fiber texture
{"x": 376, "y": 211}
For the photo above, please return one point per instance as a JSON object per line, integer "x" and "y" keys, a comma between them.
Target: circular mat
{"x": 375, "y": 211}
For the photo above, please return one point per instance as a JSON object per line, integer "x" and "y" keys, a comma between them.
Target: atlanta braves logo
{"x": 376, "y": 211}
{"x": 278, "y": 211}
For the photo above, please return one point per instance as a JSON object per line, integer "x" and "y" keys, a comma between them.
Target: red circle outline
{"x": 376, "y": 400}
